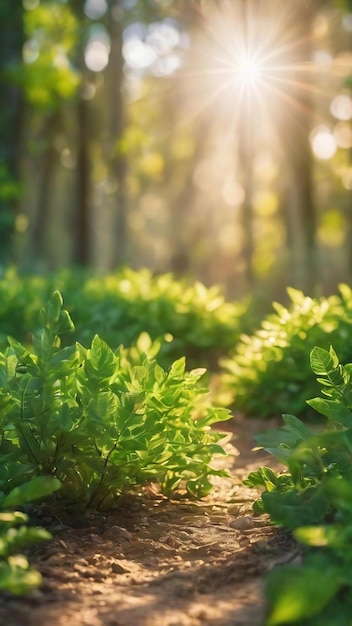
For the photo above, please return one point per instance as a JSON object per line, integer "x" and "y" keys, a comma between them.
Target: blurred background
{"x": 210, "y": 138}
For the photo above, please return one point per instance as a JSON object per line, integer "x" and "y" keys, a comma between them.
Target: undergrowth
{"x": 95, "y": 422}
{"x": 313, "y": 498}
{"x": 81, "y": 422}
{"x": 197, "y": 321}
{"x": 269, "y": 373}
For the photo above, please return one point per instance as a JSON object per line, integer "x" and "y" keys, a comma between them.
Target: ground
{"x": 156, "y": 562}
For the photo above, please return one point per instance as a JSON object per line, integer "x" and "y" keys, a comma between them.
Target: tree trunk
{"x": 246, "y": 157}
{"x": 82, "y": 238}
{"x": 82, "y": 222}
{"x": 47, "y": 171}
{"x": 11, "y": 98}
{"x": 249, "y": 11}
{"x": 296, "y": 124}
{"x": 117, "y": 157}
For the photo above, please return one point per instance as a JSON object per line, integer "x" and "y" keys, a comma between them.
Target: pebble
{"x": 118, "y": 568}
{"x": 121, "y": 532}
{"x": 242, "y": 523}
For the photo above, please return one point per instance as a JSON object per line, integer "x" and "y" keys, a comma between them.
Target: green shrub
{"x": 269, "y": 371}
{"x": 201, "y": 324}
{"x": 93, "y": 423}
{"x": 102, "y": 421}
{"x": 197, "y": 321}
{"x": 314, "y": 500}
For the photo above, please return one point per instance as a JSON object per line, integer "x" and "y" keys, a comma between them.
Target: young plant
{"x": 314, "y": 500}
{"x": 101, "y": 421}
{"x": 269, "y": 371}
{"x": 93, "y": 423}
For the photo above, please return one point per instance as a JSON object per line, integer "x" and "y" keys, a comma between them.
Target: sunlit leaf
{"x": 321, "y": 361}
{"x": 35, "y": 489}
{"x": 295, "y": 593}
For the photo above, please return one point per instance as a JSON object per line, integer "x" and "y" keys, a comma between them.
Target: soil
{"x": 159, "y": 562}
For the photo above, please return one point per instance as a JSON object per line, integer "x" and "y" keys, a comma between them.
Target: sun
{"x": 249, "y": 70}
{"x": 250, "y": 62}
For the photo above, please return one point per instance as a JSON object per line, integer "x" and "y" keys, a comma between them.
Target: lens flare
{"x": 249, "y": 71}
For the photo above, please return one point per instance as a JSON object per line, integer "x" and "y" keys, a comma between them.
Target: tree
{"x": 50, "y": 82}
{"x": 11, "y": 115}
{"x": 116, "y": 125}
{"x": 82, "y": 228}
{"x": 296, "y": 124}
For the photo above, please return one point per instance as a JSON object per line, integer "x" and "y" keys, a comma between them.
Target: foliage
{"x": 102, "y": 421}
{"x": 314, "y": 500}
{"x": 93, "y": 423}
{"x": 16, "y": 575}
{"x": 269, "y": 371}
{"x": 48, "y": 76}
{"x": 198, "y": 322}
{"x": 202, "y": 324}
{"x": 176, "y": 175}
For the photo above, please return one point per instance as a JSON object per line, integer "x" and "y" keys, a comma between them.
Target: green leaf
{"x": 296, "y": 426}
{"x": 264, "y": 477}
{"x": 293, "y": 509}
{"x": 298, "y": 593}
{"x": 322, "y": 362}
{"x": 320, "y": 536}
{"x": 65, "y": 323}
{"x": 200, "y": 486}
{"x": 14, "y": 539}
{"x": 296, "y": 296}
{"x": 101, "y": 362}
{"x": 177, "y": 369}
{"x": 17, "y": 577}
{"x": 50, "y": 313}
{"x": 334, "y": 411}
{"x": 8, "y": 518}
{"x": 43, "y": 344}
{"x": 282, "y": 441}
{"x": 339, "y": 492}
{"x": 35, "y": 489}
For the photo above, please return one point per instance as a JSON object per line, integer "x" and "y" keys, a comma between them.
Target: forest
{"x": 175, "y": 312}
{"x": 208, "y": 138}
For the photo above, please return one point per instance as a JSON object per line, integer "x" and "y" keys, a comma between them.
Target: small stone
{"x": 118, "y": 568}
{"x": 242, "y": 523}
{"x": 119, "y": 532}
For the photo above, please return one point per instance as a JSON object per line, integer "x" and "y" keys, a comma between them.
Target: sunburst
{"x": 251, "y": 58}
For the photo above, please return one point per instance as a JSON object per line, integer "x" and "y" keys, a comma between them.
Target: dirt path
{"x": 160, "y": 563}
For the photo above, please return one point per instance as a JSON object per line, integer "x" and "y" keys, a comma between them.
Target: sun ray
{"x": 248, "y": 69}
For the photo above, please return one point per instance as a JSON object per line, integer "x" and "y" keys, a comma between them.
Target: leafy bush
{"x": 269, "y": 371}
{"x": 102, "y": 421}
{"x": 120, "y": 306}
{"x": 200, "y": 322}
{"x": 314, "y": 500}
{"x": 93, "y": 423}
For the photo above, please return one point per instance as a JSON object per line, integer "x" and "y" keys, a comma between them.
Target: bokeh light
{"x": 341, "y": 107}
{"x": 96, "y": 54}
{"x": 137, "y": 54}
{"x": 95, "y": 9}
{"x": 323, "y": 143}
{"x": 153, "y": 49}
